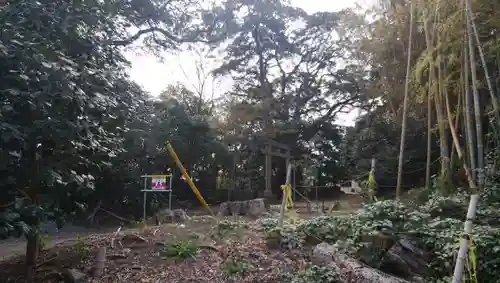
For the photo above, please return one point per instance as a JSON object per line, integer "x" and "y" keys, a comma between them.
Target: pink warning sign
{"x": 159, "y": 183}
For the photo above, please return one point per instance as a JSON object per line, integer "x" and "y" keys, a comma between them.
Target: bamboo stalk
{"x": 493, "y": 97}
{"x": 476, "y": 99}
{"x": 405, "y": 106}
{"x": 469, "y": 119}
{"x": 474, "y": 198}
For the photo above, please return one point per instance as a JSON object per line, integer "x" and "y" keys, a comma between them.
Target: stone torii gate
{"x": 276, "y": 149}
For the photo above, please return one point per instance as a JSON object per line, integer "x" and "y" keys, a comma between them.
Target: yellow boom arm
{"x": 172, "y": 153}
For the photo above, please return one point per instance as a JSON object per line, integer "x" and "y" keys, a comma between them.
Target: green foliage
{"x": 235, "y": 267}
{"x": 226, "y": 228}
{"x": 81, "y": 248}
{"x": 67, "y": 106}
{"x": 287, "y": 237}
{"x": 180, "y": 248}
{"x": 74, "y": 129}
{"x": 44, "y": 240}
{"x": 435, "y": 224}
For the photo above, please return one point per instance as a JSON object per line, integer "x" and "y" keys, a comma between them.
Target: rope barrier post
{"x": 371, "y": 189}
{"x": 286, "y": 192}
{"x": 171, "y": 182}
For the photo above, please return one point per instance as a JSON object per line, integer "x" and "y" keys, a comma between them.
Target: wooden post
{"x": 100, "y": 261}
{"x": 268, "y": 172}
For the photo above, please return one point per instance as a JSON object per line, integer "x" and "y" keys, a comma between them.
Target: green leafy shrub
{"x": 434, "y": 224}
{"x": 437, "y": 223}
{"x": 81, "y": 248}
{"x": 233, "y": 267}
{"x": 267, "y": 224}
{"x": 180, "y": 249}
{"x": 287, "y": 237}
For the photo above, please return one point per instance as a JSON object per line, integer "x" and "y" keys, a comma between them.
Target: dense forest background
{"x": 75, "y": 130}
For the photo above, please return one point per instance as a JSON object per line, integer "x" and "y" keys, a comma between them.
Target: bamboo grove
{"x": 452, "y": 76}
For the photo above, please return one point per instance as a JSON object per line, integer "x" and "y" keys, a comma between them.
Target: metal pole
{"x": 294, "y": 181}
{"x": 144, "y": 201}
{"x": 170, "y": 193}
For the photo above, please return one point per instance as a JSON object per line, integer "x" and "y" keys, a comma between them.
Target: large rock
{"x": 350, "y": 270}
{"x": 170, "y": 216}
{"x": 73, "y": 276}
{"x": 257, "y": 207}
{"x": 406, "y": 259}
{"x": 254, "y": 207}
{"x": 180, "y": 215}
{"x": 237, "y": 207}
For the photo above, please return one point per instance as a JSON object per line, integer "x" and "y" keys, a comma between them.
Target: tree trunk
{"x": 32, "y": 250}
{"x": 405, "y": 106}
{"x": 443, "y": 137}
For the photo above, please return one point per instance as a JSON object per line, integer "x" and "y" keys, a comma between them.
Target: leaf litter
{"x": 142, "y": 260}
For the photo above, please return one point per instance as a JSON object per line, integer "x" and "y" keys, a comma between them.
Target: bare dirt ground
{"x": 224, "y": 254}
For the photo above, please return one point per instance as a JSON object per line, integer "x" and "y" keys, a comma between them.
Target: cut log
{"x": 350, "y": 270}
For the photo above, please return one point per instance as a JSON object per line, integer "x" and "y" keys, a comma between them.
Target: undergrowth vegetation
{"x": 312, "y": 273}
{"x": 180, "y": 249}
{"x": 436, "y": 222}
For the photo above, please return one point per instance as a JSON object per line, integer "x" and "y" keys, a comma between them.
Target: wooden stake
{"x": 100, "y": 262}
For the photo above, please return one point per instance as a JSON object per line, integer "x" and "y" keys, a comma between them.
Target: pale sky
{"x": 154, "y": 76}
